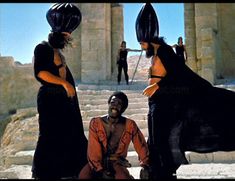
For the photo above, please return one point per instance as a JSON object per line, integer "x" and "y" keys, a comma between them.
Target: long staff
{"x": 136, "y": 67}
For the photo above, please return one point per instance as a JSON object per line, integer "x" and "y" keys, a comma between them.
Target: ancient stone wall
{"x": 97, "y": 39}
{"x": 117, "y": 34}
{"x": 18, "y": 87}
{"x": 208, "y": 39}
{"x": 227, "y": 38}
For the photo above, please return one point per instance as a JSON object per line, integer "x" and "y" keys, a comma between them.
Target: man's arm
{"x": 94, "y": 151}
{"x": 140, "y": 145}
{"x": 50, "y": 78}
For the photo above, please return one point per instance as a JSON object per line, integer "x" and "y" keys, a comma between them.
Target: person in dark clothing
{"x": 180, "y": 50}
{"x": 186, "y": 113}
{"x": 62, "y": 146}
{"x": 122, "y": 61}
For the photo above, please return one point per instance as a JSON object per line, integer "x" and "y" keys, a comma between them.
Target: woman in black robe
{"x": 62, "y": 146}
{"x": 186, "y": 113}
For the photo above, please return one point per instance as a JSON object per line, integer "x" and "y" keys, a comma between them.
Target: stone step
{"x": 221, "y": 167}
{"x": 106, "y": 94}
{"x": 25, "y": 157}
{"x": 105, "y": 101}
{"x": 132, "y": 157}
{"x": 209, "y": 171}
{"x": 191, "y": 171}
{"x": 112, "y": 86}
{"x": 206, "y": 171}
{"x": 24, "y": 172}
{"x": 20, "y": 158}
{"x": 213, "y": 157}
{"x": 17, "y": 172}
{"x": 194, "y": 158}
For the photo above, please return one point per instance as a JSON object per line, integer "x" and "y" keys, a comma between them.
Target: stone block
{"x": 89, "y": 57}
{"x": 92, "y": 34}
{"x": 224, "y": 157}
{"x": 207, "y": 52}
{"x": 205, "y": 22}
{"x": 189, "y": 6}
{"x": 7, "y": 62}
{"x": 205, "y": 9}
{"x": 18, "y": 160}
{"x": 132, "y": 157}
{"x": 17, "y": 172}
{"x": 208, "y": 74}
{"x": 206, "y": 34}
{"x": 194, "y": 157}
{"x": 208, "y": 62}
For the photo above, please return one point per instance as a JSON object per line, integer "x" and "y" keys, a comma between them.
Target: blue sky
{"x": 24, "y": 25}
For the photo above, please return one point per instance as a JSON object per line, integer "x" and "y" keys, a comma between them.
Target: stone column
{"x": 190, "y": 35}
{"x": 226, "y": 33}
{"x": 206, "y": 28}
{"x": 73, "y": 54}
{"x": 95, "y": 42}
{"x": 117, "y": 35}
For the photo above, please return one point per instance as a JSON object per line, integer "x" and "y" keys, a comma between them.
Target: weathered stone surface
{"x": 213, "y": 38}
{"x": 20, "y": 158}
{"x": 18, "y": 86}
{"x": 17, "y": 172}
{"x": 20, "y": 135}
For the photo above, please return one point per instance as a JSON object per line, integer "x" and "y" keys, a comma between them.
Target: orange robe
{"x": 97, "y": 144}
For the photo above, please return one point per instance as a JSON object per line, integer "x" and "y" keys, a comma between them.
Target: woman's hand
{"x": 149, "y": 91}
{"x": 69, "y": 89}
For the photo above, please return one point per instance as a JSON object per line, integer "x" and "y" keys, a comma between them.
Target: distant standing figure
{"x": 181, "y": 50}
{"x": 122, "y": 61}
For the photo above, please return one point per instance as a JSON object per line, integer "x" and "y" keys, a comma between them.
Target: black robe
{"x": 187, "y": 113}
{"x": 62, "y": 146}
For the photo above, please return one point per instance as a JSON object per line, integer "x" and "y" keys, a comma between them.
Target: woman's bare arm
{"x": 133, "y": 50}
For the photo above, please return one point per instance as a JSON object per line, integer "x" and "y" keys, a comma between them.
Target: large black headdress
{"x": 146, "y": 24}
{"x": 63, "y": 17}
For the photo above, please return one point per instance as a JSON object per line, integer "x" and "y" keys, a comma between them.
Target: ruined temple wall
{"x": 73, "y": 55}
{"x": 97, "y": 38}
{"x": 207, "y": 36}
{"x": 95, "y": 42}
{"x": 206, "y": 28}
{"x": 190, "y": 36}
{"x": 18, "y": 87}
{"x": 227, "y": 35}
{"x": 117, "y": 35}
{"x": 200, "y": 26}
